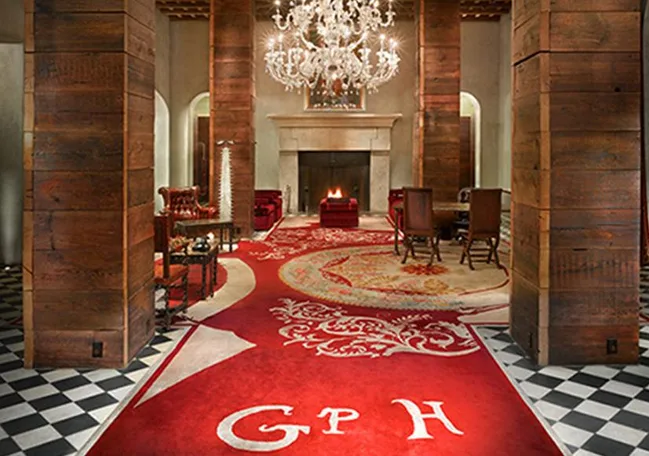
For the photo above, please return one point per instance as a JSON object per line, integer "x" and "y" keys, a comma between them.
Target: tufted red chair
{"x": 182, "y": 204}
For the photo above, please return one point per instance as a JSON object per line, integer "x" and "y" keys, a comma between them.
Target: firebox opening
{"x": 321, "y": 172}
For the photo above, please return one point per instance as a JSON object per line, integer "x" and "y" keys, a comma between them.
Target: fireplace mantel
{"x": 335, "y": 120}
{"x": 336, "y": 132}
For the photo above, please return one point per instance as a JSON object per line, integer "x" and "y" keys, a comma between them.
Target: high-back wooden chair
{"x": 484, "y": 225}
{"x": 168, "y": 275}
{"x": 418, "y": 220}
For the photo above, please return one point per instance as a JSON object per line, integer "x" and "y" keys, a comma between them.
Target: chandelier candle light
{"x": 326, "y": 45}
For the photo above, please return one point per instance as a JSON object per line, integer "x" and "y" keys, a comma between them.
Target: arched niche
{"x": 198, "y": 143}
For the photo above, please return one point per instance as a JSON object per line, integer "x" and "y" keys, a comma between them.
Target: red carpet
{"x": 400, "y": 382}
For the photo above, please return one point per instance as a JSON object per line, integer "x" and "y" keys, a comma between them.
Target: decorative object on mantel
{"x": 225, "y": 192}
{"x": 315, "y": 100}
{"x": 326, "y": 45}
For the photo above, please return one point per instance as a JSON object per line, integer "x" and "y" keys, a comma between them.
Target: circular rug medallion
{"x": 373, "y": 276}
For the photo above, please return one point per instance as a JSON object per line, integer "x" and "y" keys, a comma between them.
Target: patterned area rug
{"x": 283, "y": 373}
{"x": 373, "y": 276}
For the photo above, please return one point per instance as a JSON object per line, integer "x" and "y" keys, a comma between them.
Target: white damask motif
{"x": 332, "y": 332}
{"x": 284, "y": 243}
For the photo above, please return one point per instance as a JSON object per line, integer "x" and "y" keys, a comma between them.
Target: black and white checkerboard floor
{"x": 56, "y": 411}
{"x": 53, "y": 412}
{"x": 593, "y": 410}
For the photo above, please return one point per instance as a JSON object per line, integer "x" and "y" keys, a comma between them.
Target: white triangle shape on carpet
{"x": 205, "y": 348}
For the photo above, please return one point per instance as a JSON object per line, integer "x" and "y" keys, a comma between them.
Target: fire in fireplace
{"x": 335, "y": 194}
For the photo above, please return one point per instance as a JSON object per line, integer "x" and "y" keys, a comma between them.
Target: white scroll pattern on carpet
{"x": 332, "y": 332}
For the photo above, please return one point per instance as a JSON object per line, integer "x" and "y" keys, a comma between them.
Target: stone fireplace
{"x": 340, "y": 133}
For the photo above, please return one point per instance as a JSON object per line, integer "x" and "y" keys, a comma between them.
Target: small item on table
{"x": 200, "y": 245}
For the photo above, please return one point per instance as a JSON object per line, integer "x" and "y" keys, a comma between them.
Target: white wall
{"x": 505, "y": 130}
{"x": 189, "y": 77}
{"x": 162, "y": 131}
{"x": 161, "y": 149}
{"x": 162, "y": 57}
{"x": 11, "y": 130}
{"x": 11, "y": 152}
{"x": 480, "y": 76}
{"x": 12, "y": 28}
{"x": 397, "y": 96}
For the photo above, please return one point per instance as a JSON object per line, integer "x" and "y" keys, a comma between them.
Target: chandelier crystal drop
{"x": 326, "y": 45}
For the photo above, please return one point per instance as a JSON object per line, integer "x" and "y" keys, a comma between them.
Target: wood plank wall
{"x": 232, "y": 70}
{"x": 576, "y": 179}
{"x": 438, "y": 164}
{"x": 88, "y": 225}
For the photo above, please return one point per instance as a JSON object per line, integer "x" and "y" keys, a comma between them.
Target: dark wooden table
{"x": 437, "y": 207}
{"x": 201, "y": 227}
{"x": 205, "y": 259}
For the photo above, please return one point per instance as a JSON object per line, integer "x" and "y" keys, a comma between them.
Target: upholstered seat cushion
{"x": 176, "y": 272}
{"x": 264, "y": 210}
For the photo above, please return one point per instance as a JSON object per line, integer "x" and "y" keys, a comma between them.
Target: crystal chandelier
{"x": 326, "y": 45}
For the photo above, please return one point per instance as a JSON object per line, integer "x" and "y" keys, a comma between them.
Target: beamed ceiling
{"x": 483, "y": 10}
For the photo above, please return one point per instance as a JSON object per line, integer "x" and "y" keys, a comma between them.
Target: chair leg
{"x": 463, "y": 242}
{"x": 468, "y": 253}
{"x": 406, "y": 248}
{"x": 185, "y": 286}
{"x": 166, "y": 322}
{"x": 439, "y": 256}
{"x": 491, "y": 249}
{"x": 496, "y": 258}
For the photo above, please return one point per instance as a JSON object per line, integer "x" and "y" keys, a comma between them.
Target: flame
{"x": 336, "y": 194}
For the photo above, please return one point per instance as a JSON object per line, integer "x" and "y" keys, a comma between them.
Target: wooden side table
{"x": 201, "y": 227}
{"x": 205, "y": 259}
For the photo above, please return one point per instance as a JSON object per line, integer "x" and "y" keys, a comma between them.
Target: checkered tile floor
{"x": 53, "y": 412}
{"x": 594, "y": 410}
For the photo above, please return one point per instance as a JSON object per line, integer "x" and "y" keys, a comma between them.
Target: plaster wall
{"x": 12, "y": 28}
{"x": 480, "y": 74}
{"x": 11, "y": 130}
{"x": 162, "y": 55}
{"x": 505, "y": 130}
{"x": 11, "y": 152}
{"x": 189, "y": 76}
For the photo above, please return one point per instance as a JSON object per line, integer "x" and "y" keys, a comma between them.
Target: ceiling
{"x": 488, "y": 10}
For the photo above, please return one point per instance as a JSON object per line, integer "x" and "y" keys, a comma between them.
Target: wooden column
{"x": 232, "y": 83}
{"x": 88, "y": 228}
{"x": 576, "y": 180}
{"x": 438, "y": 161}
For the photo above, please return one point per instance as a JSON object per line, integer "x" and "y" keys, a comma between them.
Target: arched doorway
{"x": 199, "y": 145}
{"x": 470, "y": 153}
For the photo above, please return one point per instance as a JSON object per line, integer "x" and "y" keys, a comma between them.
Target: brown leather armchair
{"x": 182, "y": 204}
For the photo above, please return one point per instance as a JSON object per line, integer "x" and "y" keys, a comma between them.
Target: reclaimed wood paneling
{"x": 439, "y": 98}
{"x": 576, "y": 179}
{"x": 232, "y": 104}
{"x": 89, "y": 180}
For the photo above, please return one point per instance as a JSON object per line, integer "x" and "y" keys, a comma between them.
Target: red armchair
{"x": 339, "y": 213}
{"x": 182, "y": 204}
{"x": 268, "y": 208}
